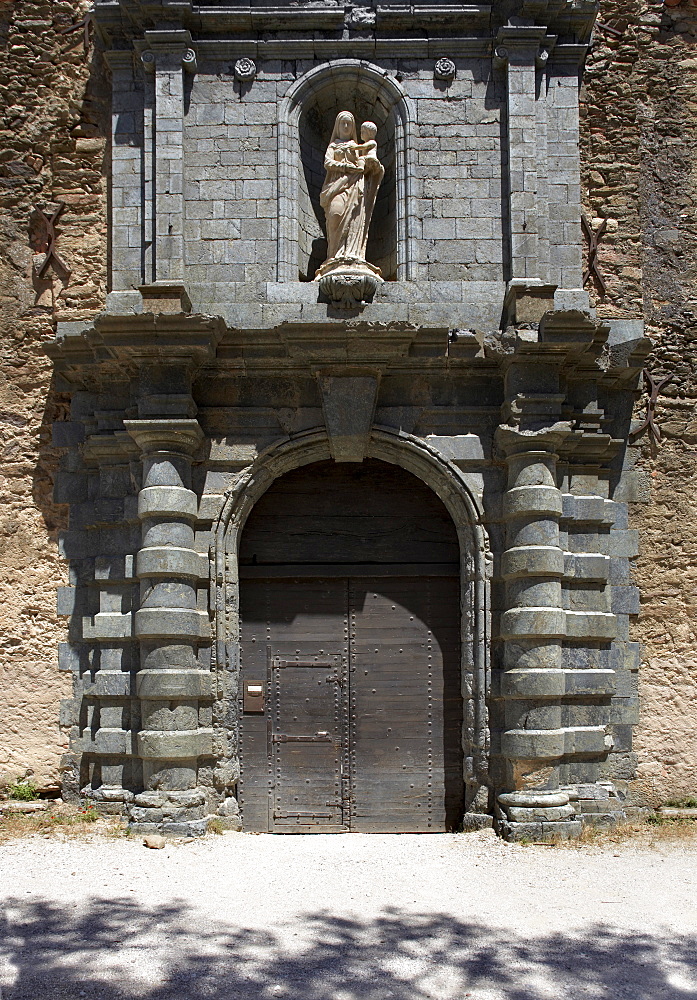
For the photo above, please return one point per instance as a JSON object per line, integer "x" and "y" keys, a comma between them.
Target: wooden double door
{"x": 351, "y": 709}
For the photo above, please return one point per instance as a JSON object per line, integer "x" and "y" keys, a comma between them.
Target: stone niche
{"x": 328, "y": 93}
{"x": 216, "y": 369}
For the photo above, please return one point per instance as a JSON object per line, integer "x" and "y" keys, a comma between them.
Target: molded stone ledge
{"x": 532, "y": 560}
{"x": 164, "y": 623}
{"x": 540, "y": 798}
{"x": 544, "y": 622}
{"x": 541, "y": 682}
{"x": 169, "y": 684}
{"x": 591, "y": 625}
{"x": 559, "y": 830}
{"x": 591, "y": 566}
{"x": 108, "y": 625}
{"x": 163, "y": 560}
{"x": 518, "y": 814}
{"x": 183, "y": 745}
{"x": 163, "y": 501}
{"x": 522, "y": 501}
{"x": 536, "y": 744}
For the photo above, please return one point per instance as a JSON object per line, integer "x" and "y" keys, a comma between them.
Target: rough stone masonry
{"x": 214, "y": 369}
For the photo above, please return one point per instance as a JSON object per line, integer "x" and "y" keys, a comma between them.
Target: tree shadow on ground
{"x": 116, "y": 949}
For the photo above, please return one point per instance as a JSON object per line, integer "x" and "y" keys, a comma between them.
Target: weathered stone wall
{"x": 51, "y": 151}
{"x": 639, "y": 133}
{"x": 640, "y": 143}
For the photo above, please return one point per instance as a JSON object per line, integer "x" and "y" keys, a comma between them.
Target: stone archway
{"x": 415, "y": 456}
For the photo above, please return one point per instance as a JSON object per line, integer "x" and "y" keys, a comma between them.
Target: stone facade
{"x": 213, "y": 368}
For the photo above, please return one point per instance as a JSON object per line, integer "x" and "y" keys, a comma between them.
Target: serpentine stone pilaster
{"x": 532, "y": 627}
{"x": 173, "y": 687}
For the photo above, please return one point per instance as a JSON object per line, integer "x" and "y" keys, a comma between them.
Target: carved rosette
{"x": 245, "y": 70}
{"x": 444, "y": 69}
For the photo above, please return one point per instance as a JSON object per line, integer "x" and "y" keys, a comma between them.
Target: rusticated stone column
{"x": 173, "y": 687}
{"x": 532, "y": 627}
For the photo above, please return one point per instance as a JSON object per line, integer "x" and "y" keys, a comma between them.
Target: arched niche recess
{"x": 307, "y": 116}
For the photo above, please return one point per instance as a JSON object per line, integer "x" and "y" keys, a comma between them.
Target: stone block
{"x": 589, "y": 566}
{"x": 530, "y": 622}
{"x": 624, "y": 543}
{"x": 68, "y": 713}
{"x": 591, "y": 625}
{"x": 70, "y": 656}
{"x": 171, "y": 561}
{"x": 588, "y": 509}
{"x": 66, "y": 601}
{"x": 624, "y": 711}
{"x": 526, "y": 500}
{"x": 107, "y": 625}
{"x": 348, "y": 403}
{"x": 175, "y": 745}
{"x": 532, "y": 560}
{"x": 163, "y": 623}
{"x": 154, "y": 501}
{"x": 169, "y": 684}
{"x": 625, "y": 600}
{"x": 191, "y": 828}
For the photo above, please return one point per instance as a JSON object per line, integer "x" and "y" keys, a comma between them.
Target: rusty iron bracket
{"x": 653, "y": 387}
{"x": 611, "y": 31}
{"x": 52, "y": 255}
{"x": 85, "y": 25}
{"x": 593, "y": 241}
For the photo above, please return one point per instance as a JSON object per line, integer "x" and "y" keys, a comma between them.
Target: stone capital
{"x": 176, "y": 435}
{"x": 513, "y": 441}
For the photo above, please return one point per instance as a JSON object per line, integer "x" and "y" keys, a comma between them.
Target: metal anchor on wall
{"x": 52, "y": 257}
{"x": 84, "y": 25}
{"x": 594, "y": 239}
{"x": 653, "y": 387}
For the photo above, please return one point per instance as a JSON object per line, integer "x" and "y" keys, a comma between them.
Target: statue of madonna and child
{"x": 353, "y": 176}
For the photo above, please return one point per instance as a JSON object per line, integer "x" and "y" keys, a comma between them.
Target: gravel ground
{"x": 346, "y": 918}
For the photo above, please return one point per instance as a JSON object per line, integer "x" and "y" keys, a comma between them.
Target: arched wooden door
{"x": 350, "y": 700}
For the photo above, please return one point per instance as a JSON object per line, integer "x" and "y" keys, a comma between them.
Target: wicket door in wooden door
{"x": 307, "y": 744}
{"x": 293, "y": 743}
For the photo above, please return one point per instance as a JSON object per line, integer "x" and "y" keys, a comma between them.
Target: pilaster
{"x": 127, "y": 171}
{"x": 167, "y": 56}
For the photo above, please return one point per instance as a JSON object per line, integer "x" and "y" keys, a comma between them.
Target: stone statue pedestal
{"x": 347, "y": 282}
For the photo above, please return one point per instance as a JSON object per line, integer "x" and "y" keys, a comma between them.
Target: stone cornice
{"x": 126, "y": 18}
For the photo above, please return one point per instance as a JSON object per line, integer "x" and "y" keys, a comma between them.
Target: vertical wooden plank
{"x": 406, "y": 706}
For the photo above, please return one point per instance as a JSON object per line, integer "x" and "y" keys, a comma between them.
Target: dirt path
{"x": 347, "y": 918}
